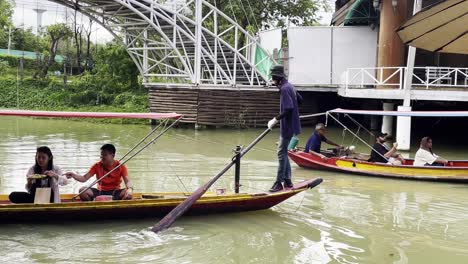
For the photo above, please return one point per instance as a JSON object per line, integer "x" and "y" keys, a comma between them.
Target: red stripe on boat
{"x": 89, "y": 114}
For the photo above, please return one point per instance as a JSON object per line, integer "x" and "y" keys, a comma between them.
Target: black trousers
{"x": 25, "y": 197}
{"x": 21, "y": 197}
{"x": 28, "y": 197}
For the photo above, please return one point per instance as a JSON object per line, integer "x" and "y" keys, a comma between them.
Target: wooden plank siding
{"x": 215, "y": 107}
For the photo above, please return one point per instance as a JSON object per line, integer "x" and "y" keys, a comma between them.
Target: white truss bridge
{"x": 180, "y": 42}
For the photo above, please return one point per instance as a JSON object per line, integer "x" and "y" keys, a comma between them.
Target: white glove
{"x": 272, "y": 123}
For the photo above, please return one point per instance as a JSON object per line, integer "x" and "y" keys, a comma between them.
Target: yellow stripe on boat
{"x": 404, "y": 170}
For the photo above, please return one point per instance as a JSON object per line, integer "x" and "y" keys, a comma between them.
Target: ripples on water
{"x": 347, "y": 219}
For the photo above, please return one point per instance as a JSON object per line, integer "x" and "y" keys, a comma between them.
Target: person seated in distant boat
{"x": 42, "y": 175}
{"x": 425, "y": 156}
{"x": 110, "y": 185}
{"x": 315, "y": 141}
{"x": 381, "y": 153}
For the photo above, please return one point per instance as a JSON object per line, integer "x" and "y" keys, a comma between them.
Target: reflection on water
{"x": 346, "y": 219}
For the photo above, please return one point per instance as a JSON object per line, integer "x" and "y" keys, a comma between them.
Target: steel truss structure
{"x": 179, "y": 42}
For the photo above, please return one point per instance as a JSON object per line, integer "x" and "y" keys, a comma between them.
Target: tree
{"x": 89, "y": 60}
{"x": 259, "y": 15}
{"x": 114, "y": 60}
{"x": 272, "y": 13}
{"x": 54, "y": 34}
{"x": 6, "y": 11}
{"x": 78, "y": 37}
{"x": 24, "y": 39}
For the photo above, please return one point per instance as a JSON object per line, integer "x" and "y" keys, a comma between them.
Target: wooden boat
{"x": 143, "y": 205}
{"x": 455, "y": 171}
{"x": 170, "y": 205}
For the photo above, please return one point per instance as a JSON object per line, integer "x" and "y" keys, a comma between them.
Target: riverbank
{"x": 85, "y": 93}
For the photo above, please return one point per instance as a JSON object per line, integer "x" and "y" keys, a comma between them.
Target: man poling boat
{"x": 138, "y": 205}
{"x": 381, "y": 165}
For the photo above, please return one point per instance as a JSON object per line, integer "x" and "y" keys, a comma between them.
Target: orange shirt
{"x": 112, "y": 181}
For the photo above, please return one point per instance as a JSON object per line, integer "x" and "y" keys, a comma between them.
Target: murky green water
{"x": 347, "y": 219}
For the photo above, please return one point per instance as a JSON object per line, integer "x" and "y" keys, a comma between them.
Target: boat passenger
{"x": 289, "y": 126}
{"x": 110, "y": 185}
{"x": 43, "y": 174}
{"x": 381, "y": 153}
{"x": 315, "y": 141}
{"x": 425, "y": 156}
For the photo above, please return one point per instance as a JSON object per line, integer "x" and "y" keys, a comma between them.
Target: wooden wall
{"x": 232, "y": 108}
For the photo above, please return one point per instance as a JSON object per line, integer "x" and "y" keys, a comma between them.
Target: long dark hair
{"x": 425, "y": 144}
{"x": 50, "y": 164}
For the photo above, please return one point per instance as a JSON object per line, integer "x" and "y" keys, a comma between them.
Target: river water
{"x": 346, "y": 219}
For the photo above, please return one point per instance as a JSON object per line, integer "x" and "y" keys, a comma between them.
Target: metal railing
{"x": 393, "y": 77}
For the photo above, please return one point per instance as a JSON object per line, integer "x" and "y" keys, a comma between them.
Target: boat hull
{"x": 144, "y": 205}
{"x": 457, "y": 171}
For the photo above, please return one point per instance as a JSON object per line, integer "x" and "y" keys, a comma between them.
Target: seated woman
{"x": 53, "y": 178}
{"x": 425, "y": 156}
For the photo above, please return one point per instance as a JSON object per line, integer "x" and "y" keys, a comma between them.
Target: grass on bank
{"x": 85, "y": 93}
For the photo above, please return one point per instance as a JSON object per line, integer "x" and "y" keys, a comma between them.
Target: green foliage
{"x": 54, "y": 33}
{"x": 4, "y": 66}
{"x": 58, "y": 31}
{"x": 113, "y": 60}
{"x": 272, "y": 13}
{"x": 87, "y": 93}
{"x": 6, "y": 12}
{"x": 24, "y": 39}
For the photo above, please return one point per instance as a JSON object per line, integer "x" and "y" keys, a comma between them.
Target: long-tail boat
{"x": 143, "y": 204}
{"x": 353, "y": 163}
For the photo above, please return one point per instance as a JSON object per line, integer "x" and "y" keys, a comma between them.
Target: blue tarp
{"x": 26, "y": 54}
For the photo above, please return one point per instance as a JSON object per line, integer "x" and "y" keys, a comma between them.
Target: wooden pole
{"x": 237, "y": 158}
{"x": 172, "y": 216}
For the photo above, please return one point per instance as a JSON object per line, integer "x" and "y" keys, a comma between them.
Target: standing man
{"x": 289, "y": 125}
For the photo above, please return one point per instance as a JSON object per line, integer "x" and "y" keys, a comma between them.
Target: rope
{"x": 245, "y": 13}
{"x": 141, "y": 141}
{"x": 300, "y": 204}
{"x": 354, "y": 138}
{"x": 232, "y": 11}
{"x": 174, "y": 171}
{"x": 343, "y": 135}
{"x": 328, "y": 114}
{"x": 253, "y": 15}
{"x": 359, "y": 124}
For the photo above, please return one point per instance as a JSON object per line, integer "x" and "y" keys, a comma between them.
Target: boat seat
{"x": 151, "y": 196}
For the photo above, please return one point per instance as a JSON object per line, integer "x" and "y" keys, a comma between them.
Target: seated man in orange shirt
{"x": 109, "y": 185}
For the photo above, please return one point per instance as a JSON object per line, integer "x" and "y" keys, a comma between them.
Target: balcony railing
{"x": 393, "y": 77}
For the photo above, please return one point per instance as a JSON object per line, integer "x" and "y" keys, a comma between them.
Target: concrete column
{"x": 391, "y": 50}
{"x": 410, "y": 62}
{"x": 387, "y": 121}
{"x": 403, "y": 134}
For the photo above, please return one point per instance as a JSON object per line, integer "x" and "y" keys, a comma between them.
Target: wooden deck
{"x": 222, "y": 107}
